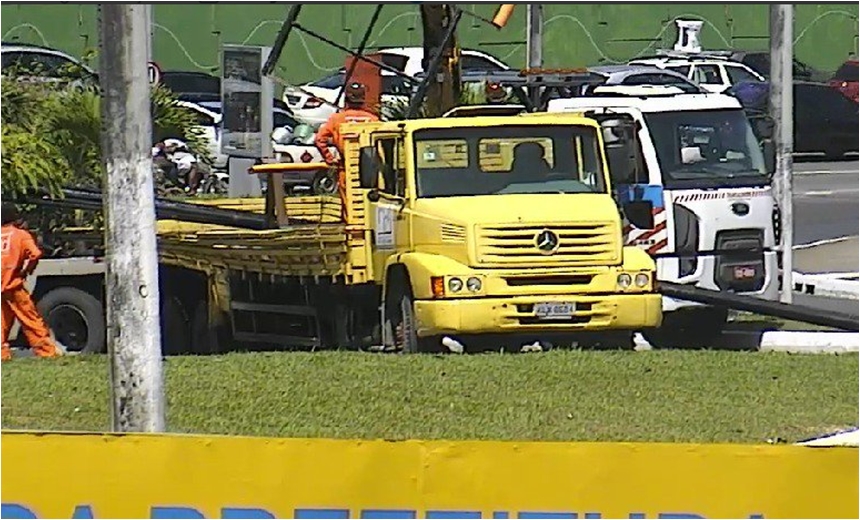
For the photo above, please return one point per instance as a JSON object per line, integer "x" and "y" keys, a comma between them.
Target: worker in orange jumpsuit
{"x": 354, "y": 112}
{"x": 20, "y": 257}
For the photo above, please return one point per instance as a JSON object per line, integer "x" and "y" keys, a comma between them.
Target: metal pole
{"x": 134, "y": 338}
{"x": 534, "y": 36}
{"x": 782, "y": 112}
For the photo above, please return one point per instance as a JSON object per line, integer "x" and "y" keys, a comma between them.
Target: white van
{"x": 705, "y": 183}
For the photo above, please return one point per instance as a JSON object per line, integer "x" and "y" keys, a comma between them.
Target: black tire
{"x": 212, "y": 185}
{"x": 175, "y": 327}
{"x": 325, "y": 183}
{"x": 400, "y": 315}
{"x": 699, "y": 327}
{"x": 76, "y": 319}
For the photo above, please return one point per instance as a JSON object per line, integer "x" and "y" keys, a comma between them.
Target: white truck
{"x": 713, "y": 221}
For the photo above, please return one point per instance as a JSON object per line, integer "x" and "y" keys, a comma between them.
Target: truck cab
{"x": 708, "y": 180}
{"x": 498, "y": 225}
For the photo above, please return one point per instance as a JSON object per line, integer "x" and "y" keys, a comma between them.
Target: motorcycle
{"x": 172, "y": 167}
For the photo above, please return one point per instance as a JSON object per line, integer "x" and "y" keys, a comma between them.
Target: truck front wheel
{"x": 76, "y": 318}
{"x": 400, "y": 318}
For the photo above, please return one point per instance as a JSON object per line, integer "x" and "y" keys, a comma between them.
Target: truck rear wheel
{"x": 175, "y": 329}
{"x": 76, "y": 318}
{"x": 206, "y": 339}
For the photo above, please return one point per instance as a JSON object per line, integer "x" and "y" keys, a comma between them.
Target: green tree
{"x": 51, "y": 133}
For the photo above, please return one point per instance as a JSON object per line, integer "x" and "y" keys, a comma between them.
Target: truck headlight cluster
{"x": 639, "y": 280}
{"x": 440, "y": 285}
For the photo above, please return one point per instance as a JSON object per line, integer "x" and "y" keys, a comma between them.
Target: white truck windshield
{"x": 456, "y": 162}
{"x": 706, "y": 147}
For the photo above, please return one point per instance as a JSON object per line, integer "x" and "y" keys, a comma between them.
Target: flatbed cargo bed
{"x": 315, "y": 243}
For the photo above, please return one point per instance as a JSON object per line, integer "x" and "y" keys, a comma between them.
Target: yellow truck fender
{"x": 419, "y": 268}
{"x": 635, "y": 259}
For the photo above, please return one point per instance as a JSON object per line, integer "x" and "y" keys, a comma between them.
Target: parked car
{"x": 825, "y": 121}
{"x": 759, "y": 61}
{"x": 316, "y": 103}
{"x": 209, "y": 121}
{"x": 714, "y": 72}
{"x": 845, "y": 80}
{"x": 603, "y": 76}
{"x": 38, "y": 63}
{"x": 192, "y": 86}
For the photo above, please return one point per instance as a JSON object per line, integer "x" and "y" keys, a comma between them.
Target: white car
{"x": 209, "y": 121}
{"x": 314, "y": 103}
{"x": 713, "y": 72}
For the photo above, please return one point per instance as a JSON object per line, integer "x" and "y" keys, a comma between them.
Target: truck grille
{"x": 578, "y": 244}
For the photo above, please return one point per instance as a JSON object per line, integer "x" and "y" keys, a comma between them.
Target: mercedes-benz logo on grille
{"x": 546, "y": 242}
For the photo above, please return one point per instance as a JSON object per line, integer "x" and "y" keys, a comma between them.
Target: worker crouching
{"x": 354, "y": 99}
{"x": 20, "y": 257}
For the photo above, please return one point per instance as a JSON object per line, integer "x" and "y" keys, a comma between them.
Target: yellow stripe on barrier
{"x": 51, "y": 475}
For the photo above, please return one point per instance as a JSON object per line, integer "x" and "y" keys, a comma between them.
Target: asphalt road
{"x": 825, "y": 207}
{"x": 825, "y": 200}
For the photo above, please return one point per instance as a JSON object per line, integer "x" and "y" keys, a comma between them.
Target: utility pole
{"x": 782, "y": 112}
{"x": 134, "y": 338}
{"x": 534, "y": 36}
{"x": 439, "y": 23}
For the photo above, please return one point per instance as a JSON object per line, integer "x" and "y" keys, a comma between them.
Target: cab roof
{"x": 542, "y": 118}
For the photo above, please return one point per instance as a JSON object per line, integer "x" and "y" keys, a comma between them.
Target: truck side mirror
{"x": 368, "y": 168}
{"x": 640, "y": 213}
{"x": 769, "y": 151}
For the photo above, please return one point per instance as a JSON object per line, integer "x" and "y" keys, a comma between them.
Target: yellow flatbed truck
{"x": 499, "y": 227}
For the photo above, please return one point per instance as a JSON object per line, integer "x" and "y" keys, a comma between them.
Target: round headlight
{"x": 624, "y": 280}
{"x": 642, "y": 279}
{"x": 473, "y": 284}
{"x": 455, "y": 285}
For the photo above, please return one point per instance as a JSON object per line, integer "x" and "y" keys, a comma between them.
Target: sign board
{"x": 246, "y": 101}
{"x": 192, "y": 476}
{"x": 154, "y": 72}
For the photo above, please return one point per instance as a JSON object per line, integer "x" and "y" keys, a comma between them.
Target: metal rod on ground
{"x": 134, "y": 338}
{"x": 782, "y": 112}
{"x": 740, "y": 302}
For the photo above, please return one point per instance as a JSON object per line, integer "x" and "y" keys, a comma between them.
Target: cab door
{"x": 389, "y": 211}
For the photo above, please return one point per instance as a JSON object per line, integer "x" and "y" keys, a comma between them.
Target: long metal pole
{"x": 782, "y": 112}
{"x": 134, "y": 338}
{"x": 534, "y": 36}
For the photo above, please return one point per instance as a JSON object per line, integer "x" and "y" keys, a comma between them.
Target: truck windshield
{"x": 501, "y": 160}
{"x": 706, "y": 148}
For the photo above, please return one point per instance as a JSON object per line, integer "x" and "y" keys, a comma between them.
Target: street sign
{"x": 154, "y": 72}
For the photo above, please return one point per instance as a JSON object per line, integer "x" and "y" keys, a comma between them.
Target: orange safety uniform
{"x": 330, "y": 130}
{"x": 18, "y": 247}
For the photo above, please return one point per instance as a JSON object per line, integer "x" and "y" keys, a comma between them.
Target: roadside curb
{"x": 834, "y": 285}
{"x": 801, "y": 342}
{"x": 850, "y": 438}
{"x": 793, "y": 342}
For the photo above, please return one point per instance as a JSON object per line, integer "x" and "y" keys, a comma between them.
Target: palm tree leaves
{"x": 51, "y": 134}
